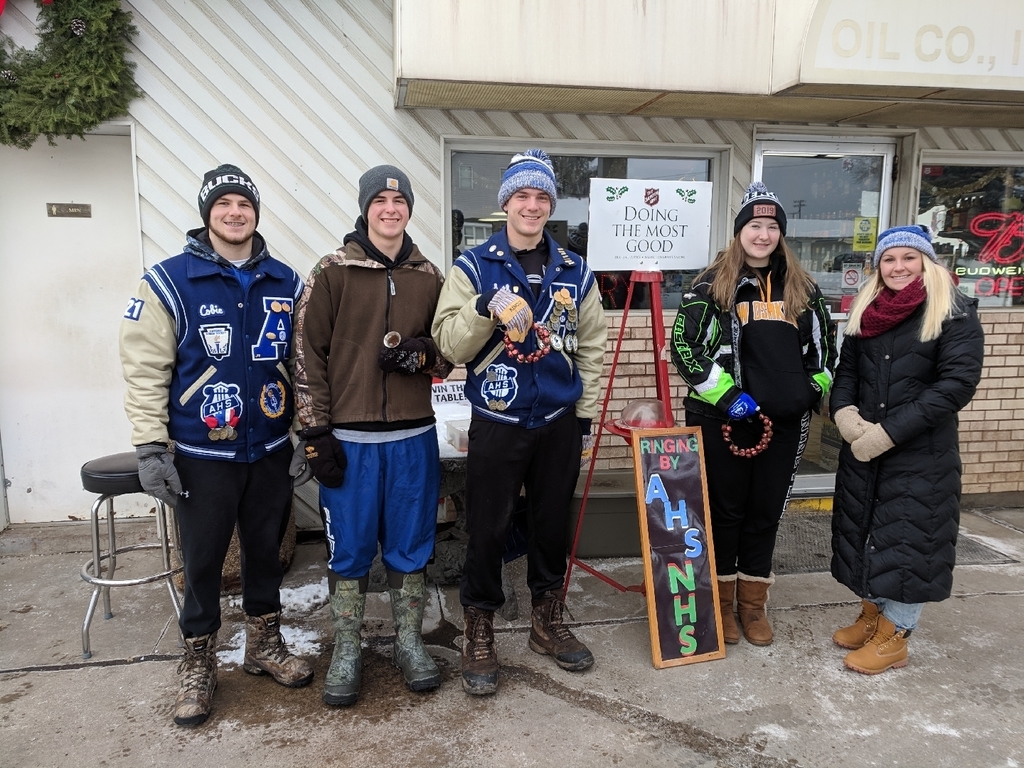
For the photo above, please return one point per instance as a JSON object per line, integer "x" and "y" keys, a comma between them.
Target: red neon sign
{"x": 1005, "y": 235}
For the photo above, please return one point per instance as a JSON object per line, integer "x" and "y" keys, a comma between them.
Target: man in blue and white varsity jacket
{"x": 525, "y": 316}
{"x": 206, "y": 348}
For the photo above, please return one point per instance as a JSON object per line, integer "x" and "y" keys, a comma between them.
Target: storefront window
{"x": 836, "y": 200}
{"x": 836, "y": 195}
{"x": 977, "y": 215}
{"x": 476, "y": 214}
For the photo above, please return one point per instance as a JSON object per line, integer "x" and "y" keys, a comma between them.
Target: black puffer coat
{"x": 895, "y": 518}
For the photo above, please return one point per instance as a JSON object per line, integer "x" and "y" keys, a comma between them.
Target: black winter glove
{"x": 483, "y": 301}
{"x": 325, "y": 456}
{"x": 411, "y": 356}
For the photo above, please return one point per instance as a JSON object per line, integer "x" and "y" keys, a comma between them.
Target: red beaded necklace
{"x": 749, "y": 453}
{"x": 543, "y": 346}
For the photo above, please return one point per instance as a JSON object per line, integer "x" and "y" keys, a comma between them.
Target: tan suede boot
{"x": 858, "y": 633}
{"x": 751, "y": 598}
{"x": 726, "y": 606}
{"x": 886, "y": 649}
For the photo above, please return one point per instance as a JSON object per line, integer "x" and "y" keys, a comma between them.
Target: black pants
{"x": 501, "y": 460}
{"x": 256, "y": 497}
{"x": 748, "y": 496}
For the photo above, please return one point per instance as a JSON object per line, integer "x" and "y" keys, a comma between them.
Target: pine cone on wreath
{"x": 78, "y": 27}
{"x": 9, "y": 76}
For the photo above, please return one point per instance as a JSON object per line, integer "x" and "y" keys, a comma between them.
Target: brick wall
{"x": 991, "y": 427}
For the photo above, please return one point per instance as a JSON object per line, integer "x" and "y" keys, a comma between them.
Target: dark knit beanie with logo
{"x": 530, "y": 169}
{"x": 225, "y": 180}
{"x": 758, "y": 202}
{"x": 383, "y": 178}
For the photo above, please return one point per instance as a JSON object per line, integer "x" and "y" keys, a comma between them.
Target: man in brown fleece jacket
{"x": 364, "y": 369}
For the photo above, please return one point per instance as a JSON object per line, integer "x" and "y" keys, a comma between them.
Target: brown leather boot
{"x": 886, "y": 649}
{"x": 751, "y": 598}
{"x": 858, "y": 633}
{"x": 726, "y": 606}
{"x": 266, "y": 653}
{"x": 197, "y": 674}
{"x": 549, "y": 635}
{"x": 479, "y": 659}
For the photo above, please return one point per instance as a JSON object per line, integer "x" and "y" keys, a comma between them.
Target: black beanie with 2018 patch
{"x": 226, "y": 180}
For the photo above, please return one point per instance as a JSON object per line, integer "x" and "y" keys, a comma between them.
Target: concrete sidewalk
{"x": 959, "y": 702}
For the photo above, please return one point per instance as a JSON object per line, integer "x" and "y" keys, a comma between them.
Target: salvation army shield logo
{"x": 651, "y": 196}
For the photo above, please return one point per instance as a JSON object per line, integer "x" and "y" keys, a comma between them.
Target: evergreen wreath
{"x": 77, "y": 77}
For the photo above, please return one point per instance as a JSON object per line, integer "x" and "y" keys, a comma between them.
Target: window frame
{"x": 719, "y": 157}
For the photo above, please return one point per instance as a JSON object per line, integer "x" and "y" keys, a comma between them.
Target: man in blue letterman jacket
{"x": 525, "y": 317}
{"x": 206, "y": 348}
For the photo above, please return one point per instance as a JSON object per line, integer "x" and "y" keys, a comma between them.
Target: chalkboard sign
{"x": 675, "y": 534}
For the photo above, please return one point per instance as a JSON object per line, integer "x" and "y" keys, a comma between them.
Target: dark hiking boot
{"x": 266, "y": 653}
{"x": 479, "y": 659}
{"x": 197, "y": 673}
{"x": 549, "y": 635}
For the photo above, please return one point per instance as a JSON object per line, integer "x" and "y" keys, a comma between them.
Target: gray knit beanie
{"x": 532, "y": 169}
{"x": 383, "y": 178}
{"x": 225, "y": 180}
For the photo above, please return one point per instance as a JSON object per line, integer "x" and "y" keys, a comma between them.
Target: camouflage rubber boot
{"x": 549, "y": 635}
{"x": 479, "y": 659}
{"x": 348, "y": 601}
{"x": 266, "y": 653}
{"x": 408, "y": 653}
{"x": 197, "y": 674}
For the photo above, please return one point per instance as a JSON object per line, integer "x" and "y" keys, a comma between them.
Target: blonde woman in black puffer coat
{"x": 911, "y": 359}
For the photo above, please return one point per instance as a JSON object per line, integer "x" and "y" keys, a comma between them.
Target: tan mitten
{"x": 873, "y": 443}
{"x": 851, "y": 425}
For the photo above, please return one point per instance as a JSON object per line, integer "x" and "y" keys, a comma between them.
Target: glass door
{"x": 837, "y": 197}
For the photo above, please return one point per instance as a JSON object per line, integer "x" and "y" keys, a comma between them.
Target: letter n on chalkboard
{"x": 675, "y": 534}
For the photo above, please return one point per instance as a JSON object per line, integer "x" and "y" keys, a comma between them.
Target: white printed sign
{"x": 449, "y": 393}
{"x": 649, "y": 226}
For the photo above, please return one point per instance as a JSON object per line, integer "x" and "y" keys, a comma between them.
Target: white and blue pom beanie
{"x": 532, "y": 169}
{"x": 916, "y": 236}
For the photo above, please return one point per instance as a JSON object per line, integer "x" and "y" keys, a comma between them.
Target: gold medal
{"x": 214, "y": 434}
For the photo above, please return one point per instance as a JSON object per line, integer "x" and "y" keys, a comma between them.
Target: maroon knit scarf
{"x": 890, "y": 308}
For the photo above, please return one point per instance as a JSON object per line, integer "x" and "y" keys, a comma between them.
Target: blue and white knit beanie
{"x": 915, "y": 236}
{"x": 759, "y": 202}
{"x": 532, "y": 169}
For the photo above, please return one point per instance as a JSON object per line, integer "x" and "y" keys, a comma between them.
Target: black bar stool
{"x": 112, "y": 476}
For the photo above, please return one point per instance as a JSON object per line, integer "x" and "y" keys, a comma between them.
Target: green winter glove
{"x": 872, "y": 444}
{"x": 851, "y": 425}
